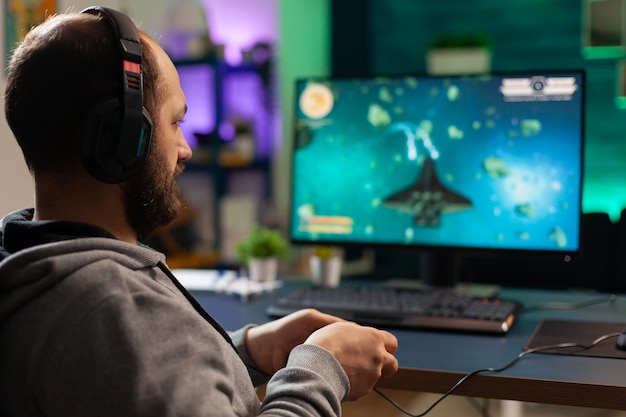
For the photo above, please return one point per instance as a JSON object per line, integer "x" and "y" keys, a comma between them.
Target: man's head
{"x": 58, "y": 73}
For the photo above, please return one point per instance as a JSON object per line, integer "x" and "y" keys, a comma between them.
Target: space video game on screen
{"x": 467, "y": 161}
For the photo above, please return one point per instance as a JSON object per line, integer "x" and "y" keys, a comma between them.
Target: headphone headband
{"x": 118, "y": 130}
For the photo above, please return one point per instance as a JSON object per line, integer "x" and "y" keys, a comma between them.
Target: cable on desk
{"x": 495, "y": 370}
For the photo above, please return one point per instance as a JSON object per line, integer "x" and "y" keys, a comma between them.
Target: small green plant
{"x": 464, "y": 40}
{"x": 261, "y": 243}
{"x": 325, "y": 252}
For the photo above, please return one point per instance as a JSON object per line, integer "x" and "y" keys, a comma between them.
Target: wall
{"x": 303, "y": 50}
{"x": 15, "y": 184}
{"x": 524, "y": 34}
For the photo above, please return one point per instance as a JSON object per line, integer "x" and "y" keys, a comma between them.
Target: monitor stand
{"x": 439, "y": 270}
{"x": 442, "y": 271}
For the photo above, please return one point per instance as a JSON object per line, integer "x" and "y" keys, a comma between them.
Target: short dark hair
{"x": 56, "y": 74}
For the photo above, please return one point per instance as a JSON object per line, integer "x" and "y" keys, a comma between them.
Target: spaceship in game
{"x": 427, "y": 199}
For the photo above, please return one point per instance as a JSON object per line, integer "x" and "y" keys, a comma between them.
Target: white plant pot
{"x": 263, "y": 269}
{"x": 448, "y": 61}
{"x": 326, "y": 272}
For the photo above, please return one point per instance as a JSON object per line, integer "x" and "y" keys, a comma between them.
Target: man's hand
{"x": 365, "y": 353}
{"x": 269, "y": 344}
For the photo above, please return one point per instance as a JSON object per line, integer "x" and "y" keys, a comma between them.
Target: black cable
{"x": 495, "y": 370}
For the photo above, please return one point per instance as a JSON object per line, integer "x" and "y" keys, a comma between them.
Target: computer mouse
{"x": 621, "y": 340}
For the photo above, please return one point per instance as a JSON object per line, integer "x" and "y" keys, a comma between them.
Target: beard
{"x": 152, "y": 198}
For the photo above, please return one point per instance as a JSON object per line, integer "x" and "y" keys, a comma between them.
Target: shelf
{"x": 219, "y": 158}
{"x": 212, "y": 62}
{"x": 226, "y": 161}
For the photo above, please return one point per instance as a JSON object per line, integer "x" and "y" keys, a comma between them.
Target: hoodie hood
{"x": 18, "y": 231}
{"x": 36, "y": 255}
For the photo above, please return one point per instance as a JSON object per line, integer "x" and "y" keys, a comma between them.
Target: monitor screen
{"x": 446, "y": 165}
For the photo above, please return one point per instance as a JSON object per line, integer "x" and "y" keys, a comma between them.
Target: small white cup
{"x": 326, "y": 272}
{"x": 263, "y": 269}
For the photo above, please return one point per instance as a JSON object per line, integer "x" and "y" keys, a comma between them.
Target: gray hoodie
{"x": 92, "y": 326}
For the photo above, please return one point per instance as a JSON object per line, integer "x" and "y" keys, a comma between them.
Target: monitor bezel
{"x": 446, "y": 250}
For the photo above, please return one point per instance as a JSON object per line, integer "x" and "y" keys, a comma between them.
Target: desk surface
{"x": 435, "y": 361}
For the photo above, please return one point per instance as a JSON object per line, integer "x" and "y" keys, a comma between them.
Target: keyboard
{"x": 404, "y": 308}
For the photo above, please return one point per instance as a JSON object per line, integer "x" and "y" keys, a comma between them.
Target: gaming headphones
{"x": 118, "y": 130}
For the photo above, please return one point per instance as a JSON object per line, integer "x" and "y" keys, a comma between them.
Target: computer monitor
{"x": 445, "y": 165}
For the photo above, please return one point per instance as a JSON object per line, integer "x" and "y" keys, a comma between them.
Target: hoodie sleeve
{"x": 239, "y": 337}
{"x": 308, "y": 369}
{"x": 313, "y": 383}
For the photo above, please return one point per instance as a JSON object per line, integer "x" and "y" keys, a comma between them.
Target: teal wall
{"x": 524, "y": 34}
{"x": 302, "y": 51}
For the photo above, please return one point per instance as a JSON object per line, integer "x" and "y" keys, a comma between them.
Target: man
{"x": 93, "y": 323}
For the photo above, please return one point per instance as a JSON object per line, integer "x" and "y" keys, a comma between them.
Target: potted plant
{"x": 260, "y": 251}
{"x": 325, "y": 263}
{"x": 459, "y": 54}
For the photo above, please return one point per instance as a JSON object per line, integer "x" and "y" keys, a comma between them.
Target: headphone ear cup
{"x": 100, "y": 135}
{"x": 102, "y": 132}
